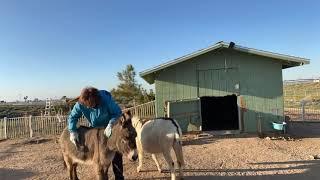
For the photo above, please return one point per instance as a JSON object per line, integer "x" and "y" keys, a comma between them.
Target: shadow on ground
{"x": 35, "y": 141}
{"x": 15, "y": 174}
{"x": 199, "y": 141}
{"x": 310, "y": 171}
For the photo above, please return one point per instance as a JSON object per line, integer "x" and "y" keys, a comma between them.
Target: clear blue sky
{"x": 54, "y": 48}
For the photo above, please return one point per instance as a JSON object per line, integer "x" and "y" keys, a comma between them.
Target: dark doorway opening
{"x": 219, "y": 113}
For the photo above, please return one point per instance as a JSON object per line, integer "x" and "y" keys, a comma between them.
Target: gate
{"x": 187, "y": 114}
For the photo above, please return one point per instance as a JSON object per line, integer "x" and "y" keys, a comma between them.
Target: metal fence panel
{"x": 298, "y": 114}
{"x": 146, "y": 110}
{"x": 186, "y": 113}
{"x": 31, "y": 126}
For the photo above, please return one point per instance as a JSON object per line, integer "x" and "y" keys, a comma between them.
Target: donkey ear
{"x": 128, "y": 114}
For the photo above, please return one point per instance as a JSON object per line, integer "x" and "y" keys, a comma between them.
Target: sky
{"x": 53, "y": 48}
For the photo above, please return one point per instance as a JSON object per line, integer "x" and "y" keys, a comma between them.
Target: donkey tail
{"x": 178, "y": 133}
{"x": 177, "y": 146}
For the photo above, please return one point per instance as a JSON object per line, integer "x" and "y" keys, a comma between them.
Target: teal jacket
{"x": 107, "y": 112}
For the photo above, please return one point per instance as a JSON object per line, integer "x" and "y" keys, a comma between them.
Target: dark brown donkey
{"x": 97, "y": 149}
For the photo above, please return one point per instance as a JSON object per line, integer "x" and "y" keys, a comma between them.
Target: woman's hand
{"x": 108, "y": 130}
{"x": 74, "y": 138}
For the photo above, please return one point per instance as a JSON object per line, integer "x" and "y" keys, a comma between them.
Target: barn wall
{"x": 176, "y": 82}
{"x": 216, "y": 73}
{"x": 262, "y": 89}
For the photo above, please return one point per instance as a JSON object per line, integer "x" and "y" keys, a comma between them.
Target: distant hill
{"x": 299, "y": 81}
{"x": 294, "y": 92}
{"x": 9, "y": 111}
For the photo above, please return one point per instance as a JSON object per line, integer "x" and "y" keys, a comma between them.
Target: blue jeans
{"x": 117, "y": 166}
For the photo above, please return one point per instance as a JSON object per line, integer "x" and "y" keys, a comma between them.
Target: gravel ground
{"x": 207, "y": 157}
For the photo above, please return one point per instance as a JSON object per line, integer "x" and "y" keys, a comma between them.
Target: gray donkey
{"x": 96, "y": 149}
{"x": 159, "y": 136}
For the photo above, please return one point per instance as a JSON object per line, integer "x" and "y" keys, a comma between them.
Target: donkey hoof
{"x": 138, "y": 169}
{"x": 160, "y": 170}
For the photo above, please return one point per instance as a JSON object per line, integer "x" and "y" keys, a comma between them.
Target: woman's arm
{"x": 114, "y": 109}
{"x": 73, "y": 118}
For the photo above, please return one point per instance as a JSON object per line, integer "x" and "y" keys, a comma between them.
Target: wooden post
{"x": 259, "y": 125}
{"x": 303, "y": 111}
{"x": 5, "y": 127}
{"x": 30, "y": 126}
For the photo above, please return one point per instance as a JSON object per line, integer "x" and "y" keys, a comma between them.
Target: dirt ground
{"x": 241, "y": 157}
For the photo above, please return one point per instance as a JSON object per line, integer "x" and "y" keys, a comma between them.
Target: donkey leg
{"x": 117, "y": 166}
{"x": 140, "y": 155}
{"x": 154, "y": 157}
{"x": 74, "y": 171}
{"x": 99, "y": 172}
{"x": 168, "y": 158}
{"x": 177, "y": 147}
{"x": 105, "y": 172}
{"x": 69, "y": 165}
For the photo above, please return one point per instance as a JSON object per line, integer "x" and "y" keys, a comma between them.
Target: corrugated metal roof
{"x": 296, "y": 61}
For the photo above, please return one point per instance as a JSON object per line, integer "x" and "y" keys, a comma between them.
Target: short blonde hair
{"x": 89, "y": 97}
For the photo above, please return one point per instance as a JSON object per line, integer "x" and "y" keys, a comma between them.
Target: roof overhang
{"x": 287, "y": 61}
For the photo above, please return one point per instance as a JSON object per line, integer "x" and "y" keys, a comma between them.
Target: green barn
{"x": 225, "y": 87}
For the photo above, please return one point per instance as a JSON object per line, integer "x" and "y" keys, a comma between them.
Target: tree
{"x": 129, "y": 93}
{"x": 25, "y": 98}
{"x": 128, "y": 75}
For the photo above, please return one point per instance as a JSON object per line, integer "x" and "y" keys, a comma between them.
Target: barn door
{"x": 218, "y": 82}
{"x": 217, "y": 90}
{"x": 219, "y": 113}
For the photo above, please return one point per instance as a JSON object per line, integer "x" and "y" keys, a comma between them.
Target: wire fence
{"x": 33, "y": 126}
{"x": 302, "y": 114}
{"x": 302, "y": 101}
{"x": 296, "y": 94}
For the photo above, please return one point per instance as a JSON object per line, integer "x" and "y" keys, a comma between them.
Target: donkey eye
{"x": 123, "y": 141}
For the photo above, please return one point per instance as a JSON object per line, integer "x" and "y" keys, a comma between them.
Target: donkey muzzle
{"x": 133, "y": 155}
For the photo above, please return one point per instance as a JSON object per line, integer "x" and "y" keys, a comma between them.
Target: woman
{"x": 101, "y": 111}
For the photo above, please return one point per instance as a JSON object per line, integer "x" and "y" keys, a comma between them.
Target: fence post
{"x": 5, "y": 127}
{"x": 303, "y": 112}
{"x": 259, "y": 124}
{"x": 30, "y": 126}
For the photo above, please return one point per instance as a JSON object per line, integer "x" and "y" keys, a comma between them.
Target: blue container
{"x": 279, "y": 126}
